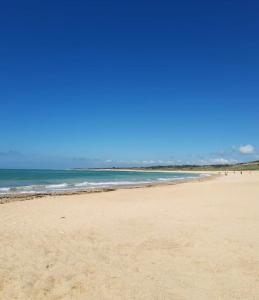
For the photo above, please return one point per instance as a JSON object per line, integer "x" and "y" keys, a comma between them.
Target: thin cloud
{"x": 246, "y": 149}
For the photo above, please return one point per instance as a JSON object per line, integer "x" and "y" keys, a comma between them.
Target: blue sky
{"x": 103, "y": 83}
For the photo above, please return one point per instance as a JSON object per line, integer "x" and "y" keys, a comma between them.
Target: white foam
{"x": 165, "y": 179}
{"x": 56, "y": 186}
{"x": 25, "y": 187}
{"x": 4, "y": 189}
{"x": 109, "y": 183}
{"x": 81, "y": 184}
{"x": 29, "y": 192}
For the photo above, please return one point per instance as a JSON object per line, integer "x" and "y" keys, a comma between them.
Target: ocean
{"x": 48, "y": 181}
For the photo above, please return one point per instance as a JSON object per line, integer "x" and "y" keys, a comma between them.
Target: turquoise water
{"x": 44, "y": 181}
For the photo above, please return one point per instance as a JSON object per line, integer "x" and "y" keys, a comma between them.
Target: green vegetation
{"x": 233, "y": 167}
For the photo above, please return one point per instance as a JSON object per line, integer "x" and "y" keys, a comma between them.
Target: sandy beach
{"x": 196, "y": 240}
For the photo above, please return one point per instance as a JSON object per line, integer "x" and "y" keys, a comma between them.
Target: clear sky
{"x": 102, "y": 83}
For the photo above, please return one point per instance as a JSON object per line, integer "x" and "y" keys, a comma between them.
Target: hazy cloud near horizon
{"x": 16, "y": 159}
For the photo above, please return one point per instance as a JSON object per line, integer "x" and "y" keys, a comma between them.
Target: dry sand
{"x": 196, "y": 240}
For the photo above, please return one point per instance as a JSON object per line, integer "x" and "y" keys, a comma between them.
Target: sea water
{"x": 47, "y": 181}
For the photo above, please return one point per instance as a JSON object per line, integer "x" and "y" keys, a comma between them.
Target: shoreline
{"x": 31, "y": 196}
{"x": 151, "y": 170}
